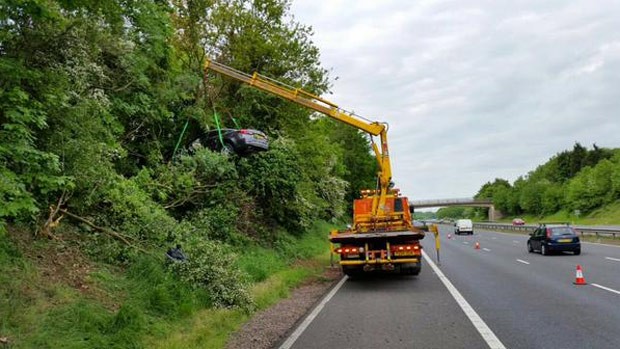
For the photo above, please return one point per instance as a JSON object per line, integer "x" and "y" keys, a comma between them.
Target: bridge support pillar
{"x": 494, "y": 214}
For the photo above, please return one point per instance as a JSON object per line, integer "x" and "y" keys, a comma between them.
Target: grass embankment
{"x": 607, "y": 215}
{"x": 53, "y": 296}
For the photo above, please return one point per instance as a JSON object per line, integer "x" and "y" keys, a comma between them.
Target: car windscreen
{"x": 560, "y": 231}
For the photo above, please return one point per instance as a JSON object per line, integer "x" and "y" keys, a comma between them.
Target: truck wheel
{"x": 353, "y": 272}
{"x": 415, "y": 270}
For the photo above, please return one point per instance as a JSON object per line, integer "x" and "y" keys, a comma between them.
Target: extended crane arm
{"x": 325, "y": 107}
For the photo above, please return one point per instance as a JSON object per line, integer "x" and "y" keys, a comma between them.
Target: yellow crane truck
{"x": 381, "y": 236}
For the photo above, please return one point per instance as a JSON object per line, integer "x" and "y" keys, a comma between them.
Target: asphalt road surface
{"x": 524, "y": 300}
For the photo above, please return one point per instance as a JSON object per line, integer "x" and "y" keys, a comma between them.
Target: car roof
{"x": 555, "y": 224}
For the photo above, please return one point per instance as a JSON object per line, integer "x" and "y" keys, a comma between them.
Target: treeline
{"x": 95, "y": 95}
{"x": 576, "y": 181}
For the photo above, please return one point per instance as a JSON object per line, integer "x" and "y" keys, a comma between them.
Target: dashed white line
{"x": 476, "y": 320}
{"x": 466, "y": 242}
{"x": 515, "y": 241}
{"x": 606, "y": 288}
{"x": 522, "y": 261}
{"x": 486, "y": 249}
{"x": 613, "y": 259}
{"x": 299, "y": 330}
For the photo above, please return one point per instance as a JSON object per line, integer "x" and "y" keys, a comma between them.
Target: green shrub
{"x": 212, "y": 266}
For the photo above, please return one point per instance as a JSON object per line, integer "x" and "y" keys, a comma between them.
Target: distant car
{"x": 420, "y": 224}
{"x": 237, "y": 141}
{"x": 548, "y": 238}
{"x": 518, "y": 221}
{"x": 464, "y": 226}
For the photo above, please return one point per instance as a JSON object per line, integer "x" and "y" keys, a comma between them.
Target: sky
{"x": 473, "y": 90}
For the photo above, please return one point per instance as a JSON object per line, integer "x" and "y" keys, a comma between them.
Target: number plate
{"x": 404, "y": 253}
{"x": 565, "y": 240}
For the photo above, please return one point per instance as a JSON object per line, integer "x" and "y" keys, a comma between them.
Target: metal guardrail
{"x": 530, "y": 228}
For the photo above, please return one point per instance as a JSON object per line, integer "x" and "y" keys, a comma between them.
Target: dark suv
{"x": 238, "y": 141}
{"x": 549, "y": 238}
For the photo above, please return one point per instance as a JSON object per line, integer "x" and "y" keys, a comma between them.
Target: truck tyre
{"x": 353, "y": 272}
{"x": 415, "y": 270}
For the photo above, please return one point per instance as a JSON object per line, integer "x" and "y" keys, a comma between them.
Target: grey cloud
{"x": 474, "y": 90}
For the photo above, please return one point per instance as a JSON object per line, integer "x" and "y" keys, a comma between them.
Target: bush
{"x": 212, "y": 266}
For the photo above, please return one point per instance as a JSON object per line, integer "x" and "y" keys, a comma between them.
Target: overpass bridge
{"x": 493, "y": 213}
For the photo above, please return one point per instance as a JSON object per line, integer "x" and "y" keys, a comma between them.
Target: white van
{"x": 464, "y": 226}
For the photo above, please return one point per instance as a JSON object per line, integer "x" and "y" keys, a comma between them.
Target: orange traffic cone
{"x": 477, "y": 246}
{"x": 579, "y": 279}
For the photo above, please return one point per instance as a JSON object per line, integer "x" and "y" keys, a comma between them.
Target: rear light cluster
{"x": 350, "y": 250}
{"x": 245, "y": 132}
{"x": 405, "y": 248}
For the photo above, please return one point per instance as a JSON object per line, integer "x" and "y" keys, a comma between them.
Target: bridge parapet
{"x": 450, "y": 202}
{"x": 493, "y": 213}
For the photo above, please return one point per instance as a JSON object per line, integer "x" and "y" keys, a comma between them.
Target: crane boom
{"x": 316, "y": 103}
{"x": 382, "y": 237}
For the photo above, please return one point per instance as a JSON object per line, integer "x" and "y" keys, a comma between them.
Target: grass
{"x": 142, "y": 306}
{"x": 607, "y": 215}
{"x": 278, "y": 271}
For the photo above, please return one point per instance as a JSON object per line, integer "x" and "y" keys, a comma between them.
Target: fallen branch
{"x": 118, "y": 236}
{"x": 52, "y": 222}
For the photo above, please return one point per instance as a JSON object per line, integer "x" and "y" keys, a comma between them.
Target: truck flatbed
{"x": 393, "y": 236}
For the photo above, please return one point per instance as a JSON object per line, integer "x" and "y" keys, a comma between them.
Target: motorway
{"x": 523, "y": 300}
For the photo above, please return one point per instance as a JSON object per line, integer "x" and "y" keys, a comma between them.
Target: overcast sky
{"x": 473, "y": 90}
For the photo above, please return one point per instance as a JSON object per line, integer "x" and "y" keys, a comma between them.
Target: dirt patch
{"x": 269, "y": 326}
{"x": 58, "y": 261}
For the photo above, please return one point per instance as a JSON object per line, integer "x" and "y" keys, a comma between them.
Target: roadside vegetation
{"x": 98, "y": 101}
{"x": 579, "y": 185}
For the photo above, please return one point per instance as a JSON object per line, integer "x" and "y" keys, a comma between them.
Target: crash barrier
{"x": 528, "y": 228}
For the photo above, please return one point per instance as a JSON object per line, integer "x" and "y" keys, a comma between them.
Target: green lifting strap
{"x": 217, "y": 124}
{"x": 180, "y": 138}
{"x": 235, "y": 121}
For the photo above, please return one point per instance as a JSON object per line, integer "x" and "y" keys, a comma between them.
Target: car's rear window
{"x": 559, "y": 231}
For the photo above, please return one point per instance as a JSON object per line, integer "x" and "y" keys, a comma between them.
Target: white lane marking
{"x": 606, "y": 288}
{"x": 522, "y": 261}
{"x": 515, "y": 241}
{"x": 486, "y": 249}
{"x": 613, "y": 259}
{"x": 494, "y": 238}
{"x": 302, "y": 327}
{"x": 466, "y": 242}
{"x": 476, "y": 320}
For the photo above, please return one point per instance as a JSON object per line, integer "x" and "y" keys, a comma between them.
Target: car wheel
{"x": 529, "y": 247}
{"x": 577, "y": 252}
{"x": 543, "y": 250}
{"x": 228, "y": 149}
